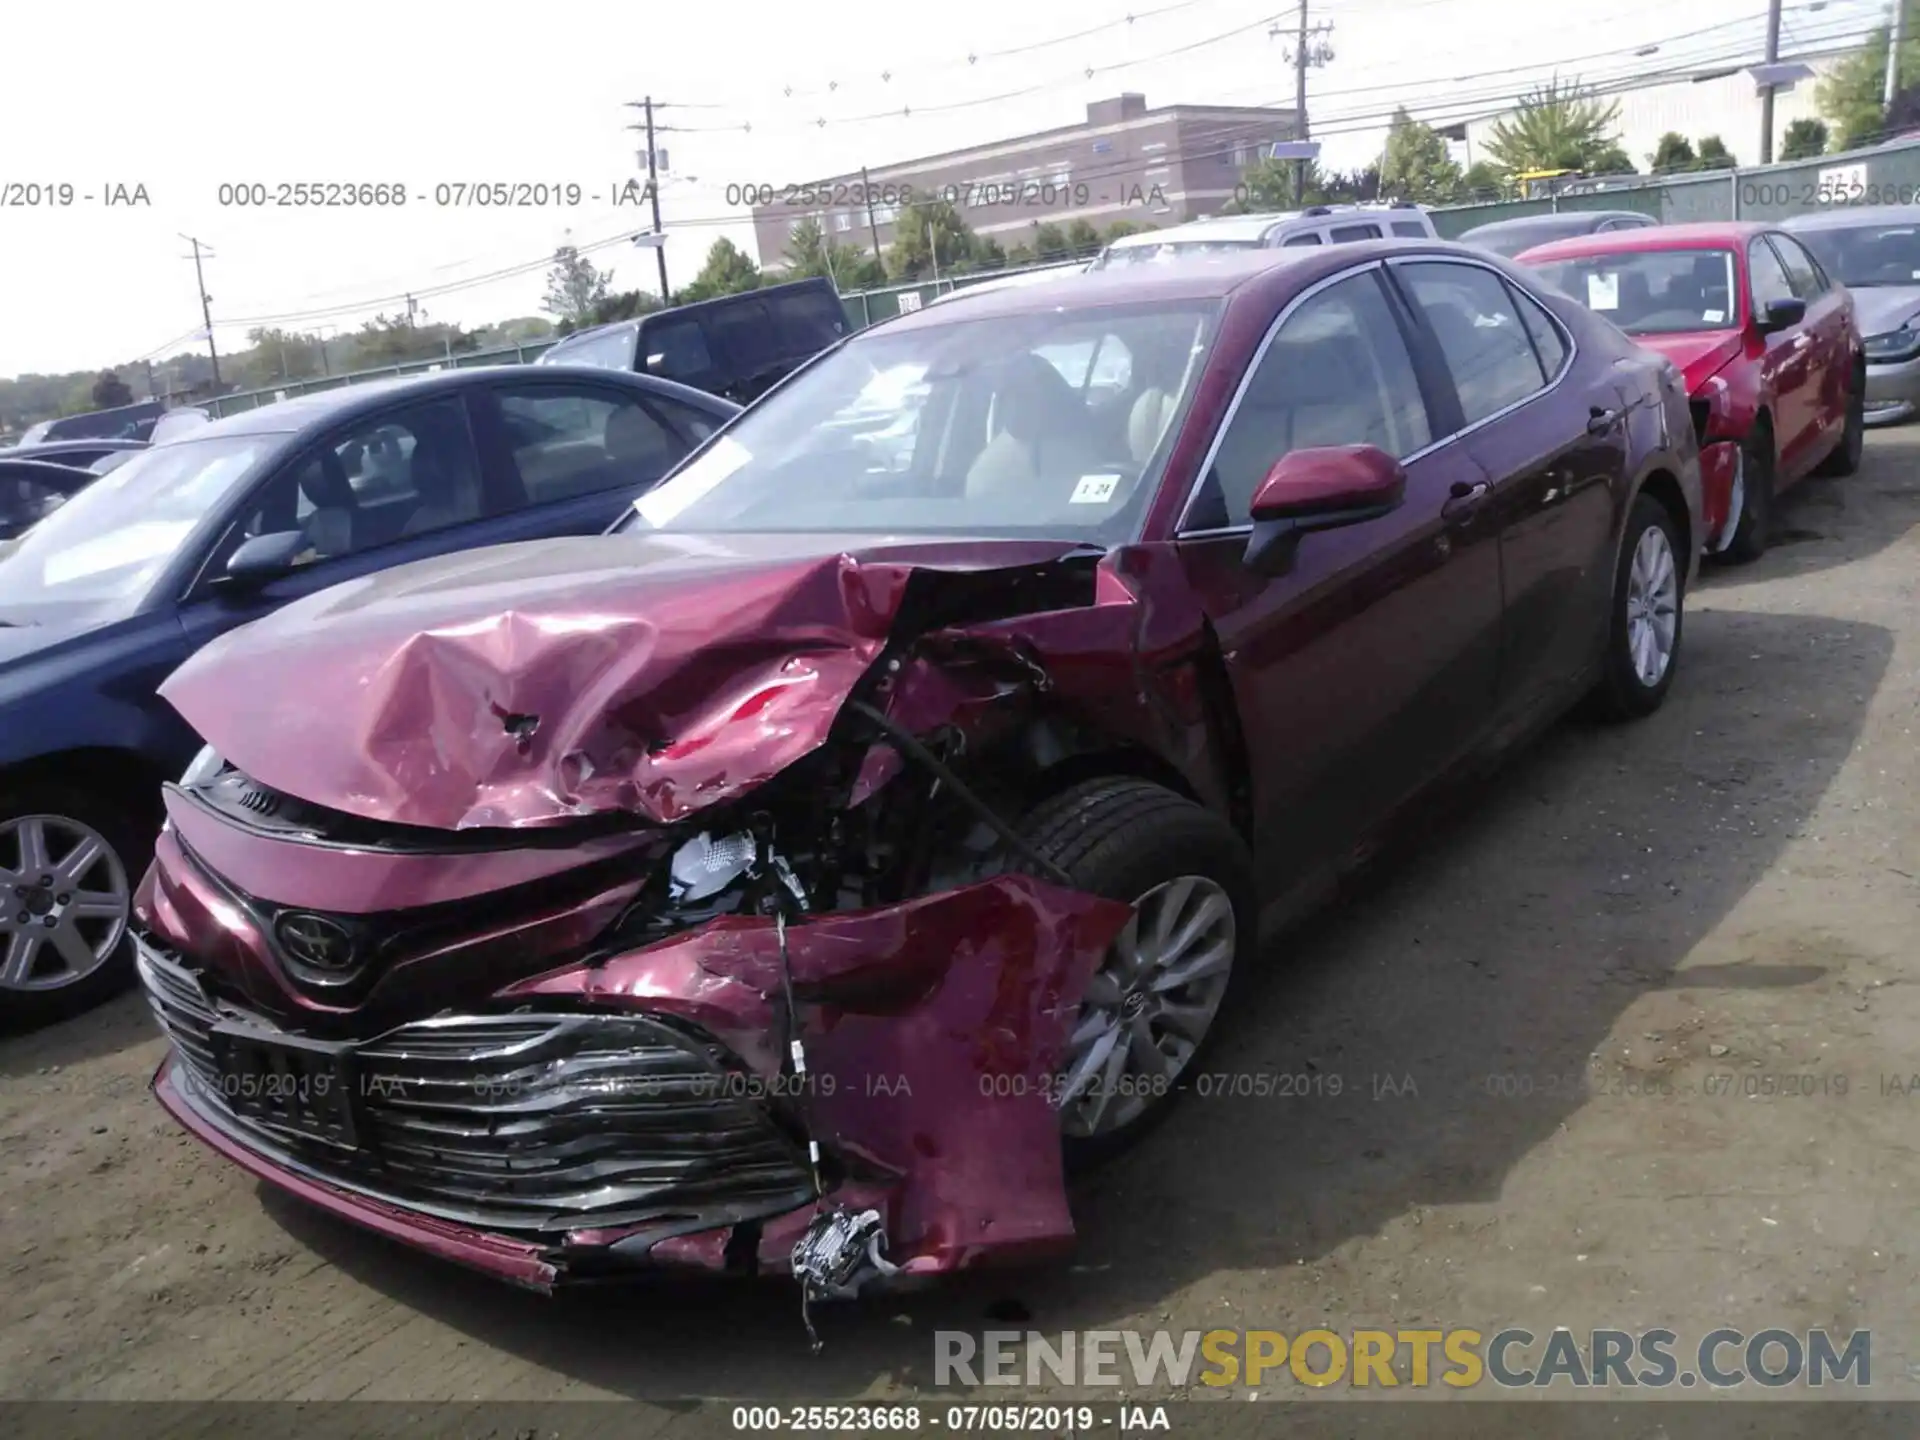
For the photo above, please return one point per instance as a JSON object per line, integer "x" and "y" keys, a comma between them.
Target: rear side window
{"x": 1474, "y": 317}
{"x": 810, "y": 320}
{"x": 1547, "y": 341}
{"x": 611, "y": 351}
{"x": 1305, "y": 237}
{"x": 569, "y": 441}
{"x": 744, "y": 334}
{"x": 1346, "y": 234}
{"x": 677, "y": 349}
{"x": 696, "y": 425}
{"x": 1410, "y": 229}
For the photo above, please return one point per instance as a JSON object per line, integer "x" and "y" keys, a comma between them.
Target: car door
{"x": 1370, "y": 665}
{"x": 1786, "y": 364}
{"x": 378, "y": 491}
{"x": 576, "y": 453}
{"x": 1552, "y": 457}
{"x": 1830, "y": 342}
{"x": 676, "y": 347}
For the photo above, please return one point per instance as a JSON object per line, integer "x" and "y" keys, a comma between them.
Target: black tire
{"x": 1756, "y": 516}
{"x": 1845, "y": 457}
{"x": 1121, "y": 837}
{"x": 1622, "y": 693}
{"x": 130, "y": 835}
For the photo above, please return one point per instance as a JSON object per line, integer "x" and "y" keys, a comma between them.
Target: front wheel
{"x": 68, "y": 865}
{"x": 1755, "y": 524}
{"x": 1649, "y": 596}
{"x": 1152, "y": 1009}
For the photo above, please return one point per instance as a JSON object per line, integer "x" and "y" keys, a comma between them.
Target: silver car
{"x": 1874, "y": 250}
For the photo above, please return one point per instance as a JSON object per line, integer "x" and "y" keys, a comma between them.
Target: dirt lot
{"x": 1726, "y": 891}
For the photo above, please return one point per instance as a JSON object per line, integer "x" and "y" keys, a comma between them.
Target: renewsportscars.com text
{"x": 1460, "y": 1358}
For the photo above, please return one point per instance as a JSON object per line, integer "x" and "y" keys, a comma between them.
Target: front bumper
{"x": 633, "y": 1113}
{"x": 1893, "y": 391}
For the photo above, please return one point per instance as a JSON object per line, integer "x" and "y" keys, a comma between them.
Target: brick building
{"x": 1126, "y": 162}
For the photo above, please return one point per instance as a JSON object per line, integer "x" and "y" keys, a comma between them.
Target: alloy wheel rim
{"x": 64, "y": 902}
{"x": 1149, "y": 1006}
{"x": 1653, "y": 606}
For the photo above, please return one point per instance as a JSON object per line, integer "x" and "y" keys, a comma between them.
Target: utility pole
{"x": 1309, "y": 51}
{"x": 653, "y": 194}
{"x": 1766, "y": 95}
{"x": 1893, "y": 53}
{"x": 866, "y": 188}
{"x": 206, "y": 304}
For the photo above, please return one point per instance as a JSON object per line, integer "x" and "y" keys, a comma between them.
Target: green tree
{"x": 1673, "y": 153}
{"x": 1417, "y": 165}
{"x": 1714, "y": 154}
{"x": 929, "y": 237}
{"x": 1049, "y": 242}
{"x": 727, "y": 271}
{"x": 1484, "y": 181}
{"x": 988, "y": 254}
{"x": 810, "y": 252}
{"x": 1849, "y": 94}
{"x": 1021, "y": 255}
{"x": 1083, "y": 241}
{"x": 110, "y": 390}
{"x": 1806, "y": 139}
{"x": 574, "y": 286}
{"x": 1127, "y": 227}
{"x": 1559, "y": 127}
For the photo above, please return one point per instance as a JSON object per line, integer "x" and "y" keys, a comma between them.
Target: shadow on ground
{"x": 1509, "y": 942}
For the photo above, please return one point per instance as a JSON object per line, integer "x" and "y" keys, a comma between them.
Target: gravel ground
{"x": 1721, "y": 900}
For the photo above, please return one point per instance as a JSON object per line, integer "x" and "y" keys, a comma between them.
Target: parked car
{"x": 1769, "y": 344}
{"x": 1316, "y": 225}
{"x": 122, "y": 422}
{"x": 178, "y": 421}
{"x": 1009, "y": 282}
{"x": 1874, "y": 250}
{"x": 80, "y": 454}
{"x": 106, "y": 595}
{"x": 716, "y": 892}
{"x": 31, "y": 490}
{"x": 737, "y": 346}
{"x": 1510, "y": 237}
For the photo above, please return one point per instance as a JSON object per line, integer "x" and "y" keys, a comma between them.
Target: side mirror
{"x": 1780, "y": 314}
{"x": 1325, "y": 488}
{"x": 264, "y": 558}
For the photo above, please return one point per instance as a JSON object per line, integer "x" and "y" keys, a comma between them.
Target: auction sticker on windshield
{"x": 1603, "y": 292}
{"x": 1094, "y": 490}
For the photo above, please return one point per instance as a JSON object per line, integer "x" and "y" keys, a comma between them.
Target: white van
{"x": 1316, "y": 225}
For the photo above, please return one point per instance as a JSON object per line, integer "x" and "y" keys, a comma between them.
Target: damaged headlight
{"x": 704, "y": 866}
{"x": 205, "y": 766}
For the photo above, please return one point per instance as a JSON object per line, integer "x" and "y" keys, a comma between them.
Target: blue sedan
{"x": 109, "y": 593}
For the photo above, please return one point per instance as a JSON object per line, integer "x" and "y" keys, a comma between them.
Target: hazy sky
{"x": 424, "y": 92}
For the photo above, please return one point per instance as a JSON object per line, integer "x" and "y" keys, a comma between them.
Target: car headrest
{"x": 1034, "y": 398}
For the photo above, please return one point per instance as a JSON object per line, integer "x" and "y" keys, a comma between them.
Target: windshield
{"x": 103, "y": 549}
{"x": 1052, "y": 423}
{"x": 610, "y": 351}
{"x": 1148, "y": 254}
{"x": 1651, "y": 292}
{"x": 1868, "y": 255}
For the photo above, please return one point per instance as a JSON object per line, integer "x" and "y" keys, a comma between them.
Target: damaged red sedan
{"x": 1768, "y": 343}
{"x": 798, "y": 878}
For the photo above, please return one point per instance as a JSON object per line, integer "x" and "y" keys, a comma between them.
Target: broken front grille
{"x": 520, "y": 1122}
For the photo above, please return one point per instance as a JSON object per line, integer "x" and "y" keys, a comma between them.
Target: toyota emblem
{"x": 316, "y": 942}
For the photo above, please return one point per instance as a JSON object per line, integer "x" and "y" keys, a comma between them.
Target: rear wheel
{"x": 1152, "y": 1009}
{"x": 68, "y": 865}
{"x": 1643, "y": 638}
{"x": 1756, "y": 506}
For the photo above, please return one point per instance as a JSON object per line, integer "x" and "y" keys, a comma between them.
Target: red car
{"x": 769, "y": 883}
{"x": 1768, "y": 343}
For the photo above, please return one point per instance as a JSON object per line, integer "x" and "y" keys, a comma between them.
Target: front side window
{"x": 405, "y": 473}
{"x": 966, "y": 427}
{"x": 1651, "y": 292}
{"x": 1863, "y": 256}
{"x": 1347, "y": 234}
{"x": 1766, "y": 277}
{"x": 1485, "y": 342}
{"x": 610, "y": 351}
{"x": 568, "y": 442}
{"x": 677, "y": 350}
{"x": 1802, "y": 273}
{"x": 1410, "y": 229}
{"x": 1337, "y": 372}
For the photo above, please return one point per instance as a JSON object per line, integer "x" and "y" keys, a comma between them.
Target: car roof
{"x": 1848, "y": 217}
{"x": 1249, "y": 227}
{"x": 324, "y": 408}
{"x": 1705, "y": 235}
{"x": 1571, "y": 219}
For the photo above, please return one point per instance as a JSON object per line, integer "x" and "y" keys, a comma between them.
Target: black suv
{"x": 736, "y": 346}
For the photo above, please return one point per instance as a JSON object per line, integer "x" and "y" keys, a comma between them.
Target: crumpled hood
{"x": 1699, "y": 355}
{"x": 1880, "y": 308}
{"x": 526, "y": 684}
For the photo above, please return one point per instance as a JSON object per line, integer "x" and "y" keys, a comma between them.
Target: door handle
{"x": 1600, "y": 419}
{"x": 1463, "y": 500}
